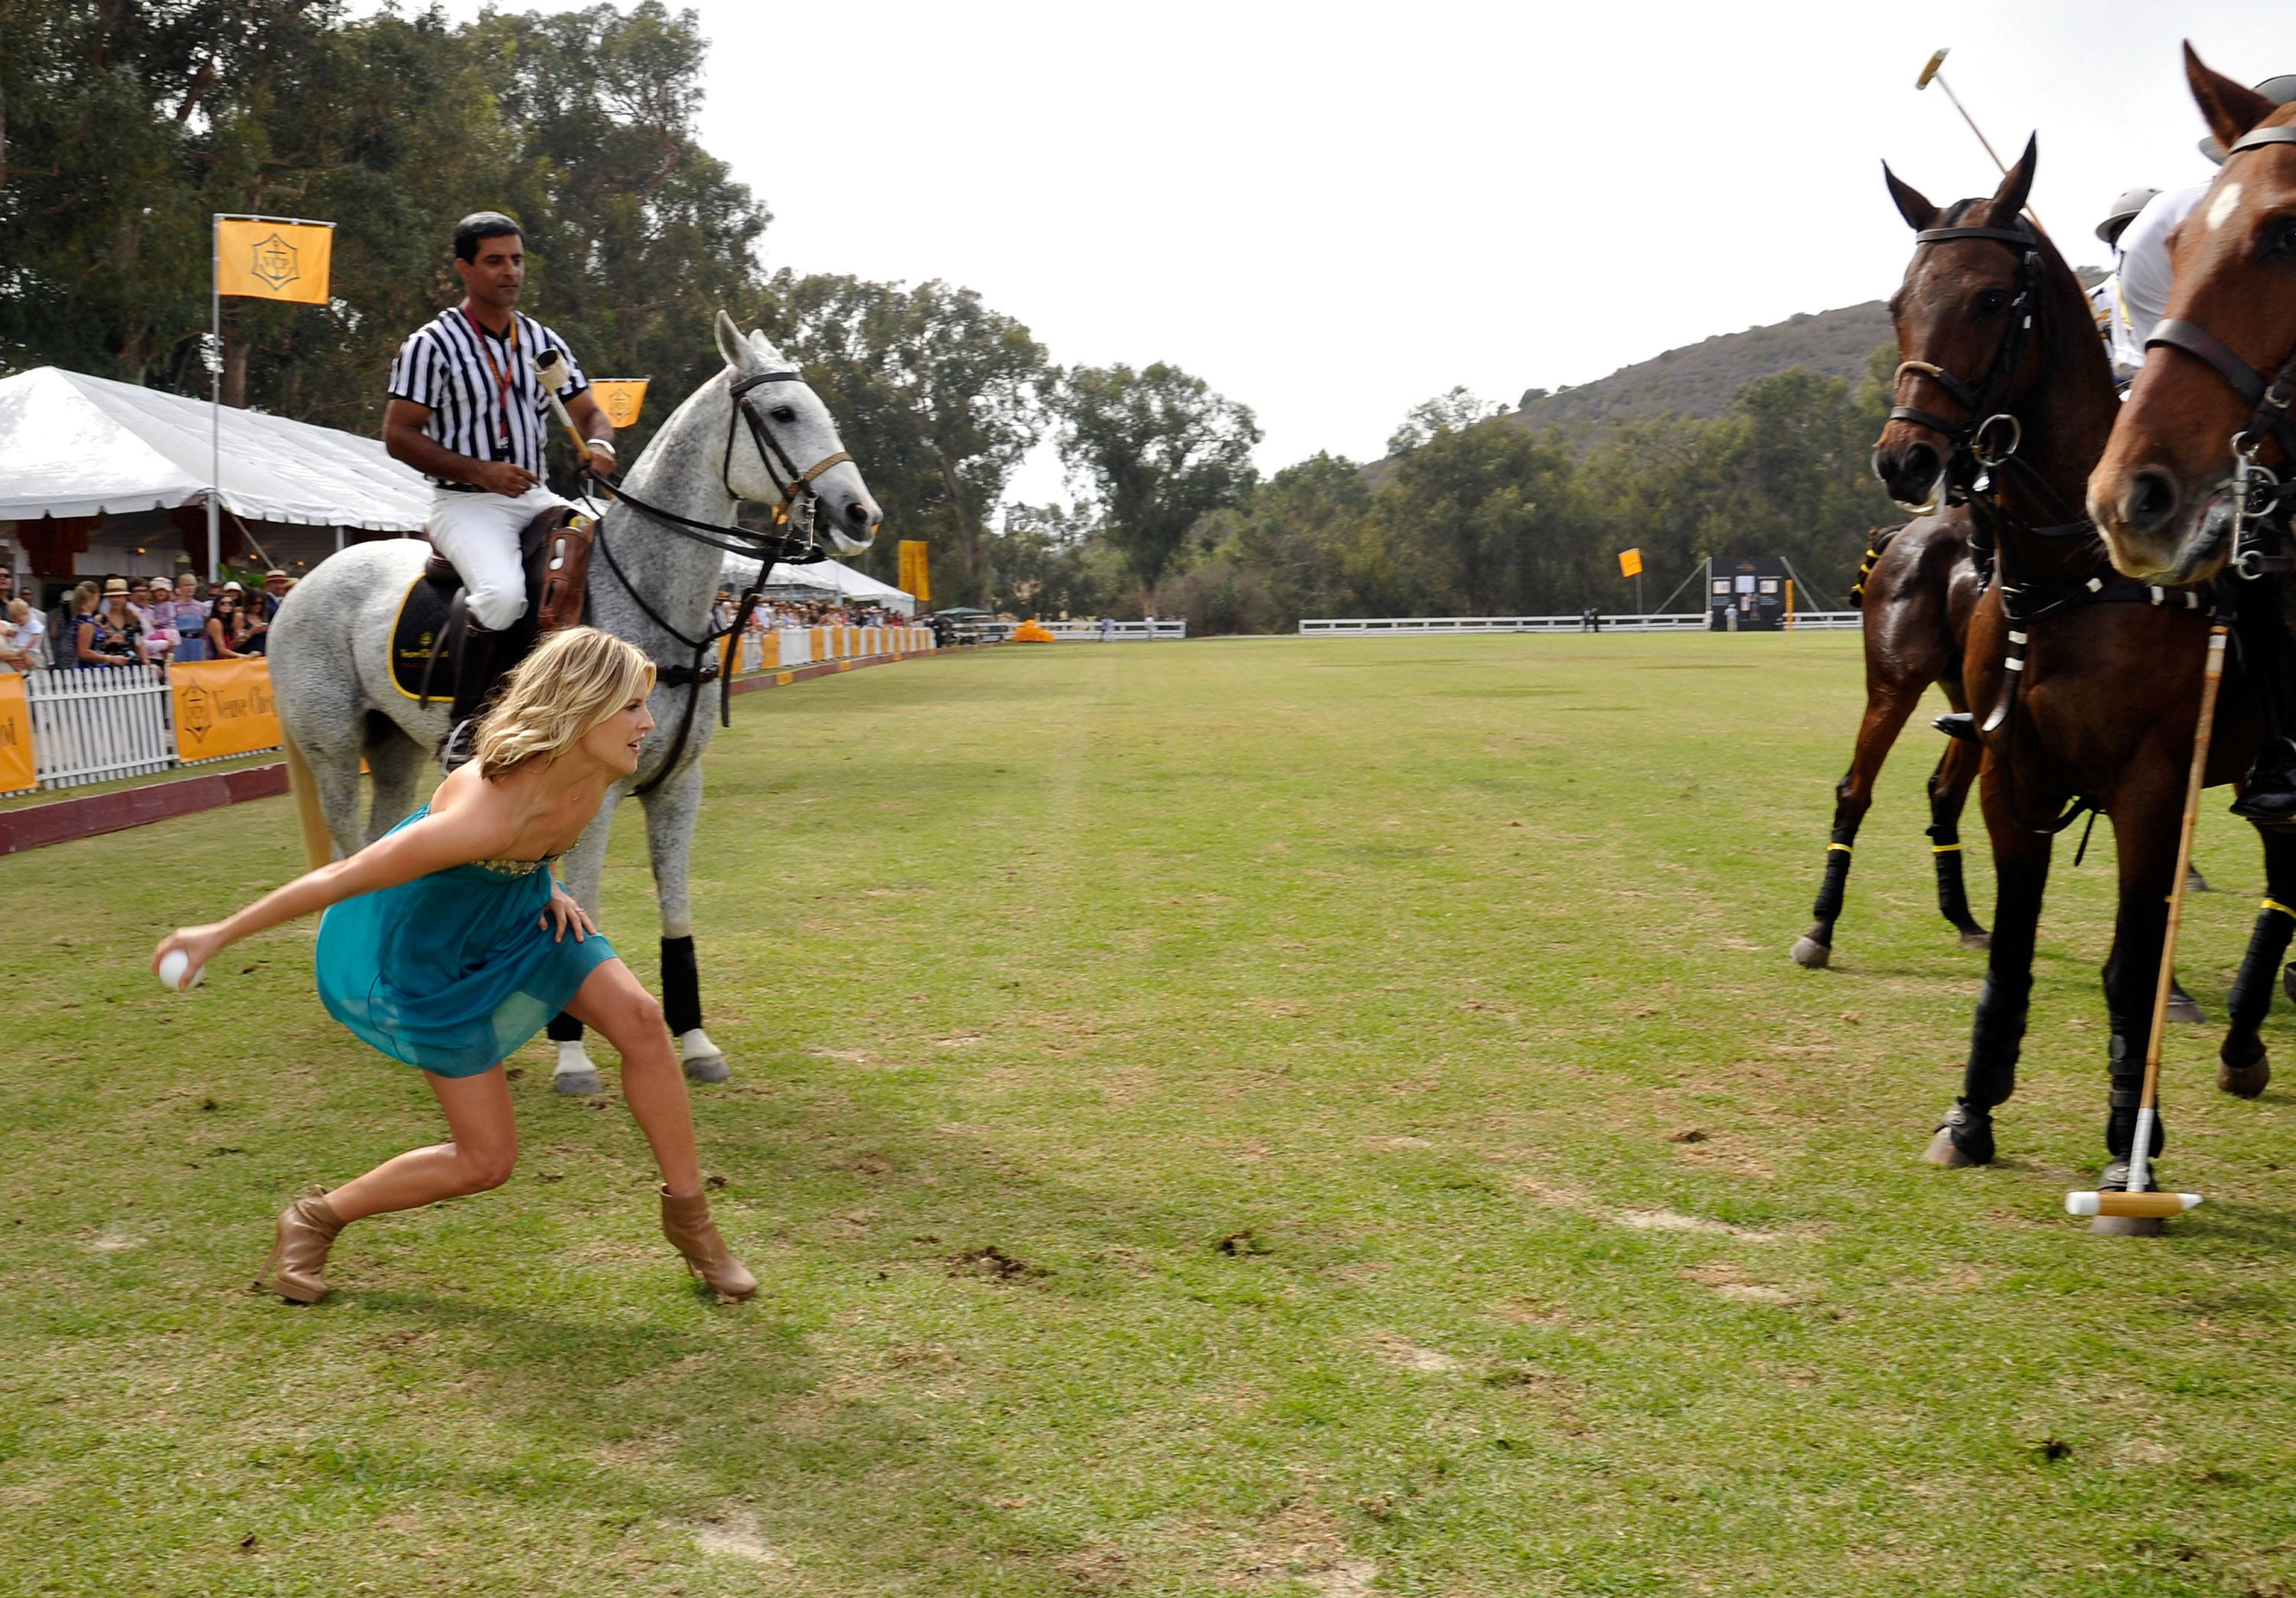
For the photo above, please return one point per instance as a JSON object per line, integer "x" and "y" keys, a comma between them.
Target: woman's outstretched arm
{"x": 467, "y": 831}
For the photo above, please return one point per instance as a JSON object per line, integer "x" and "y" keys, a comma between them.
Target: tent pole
{"x": 215, "y": 399}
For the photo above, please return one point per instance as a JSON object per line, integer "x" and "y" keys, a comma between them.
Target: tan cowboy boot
{"x": 307, "y": 1231}
{"x": 686, "y": 1223}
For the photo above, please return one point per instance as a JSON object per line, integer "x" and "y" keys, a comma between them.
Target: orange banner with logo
{"x": 916, "y": 581}
{"x": 16, "y": 770}
{"x": 274, "y": 260}
{"x": 223, "y": 708}
{"x": 620, "y": 397}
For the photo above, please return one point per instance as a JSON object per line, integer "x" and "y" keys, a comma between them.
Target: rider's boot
{"x": 473, "y": 683}
{"x": 2267, "y": 794}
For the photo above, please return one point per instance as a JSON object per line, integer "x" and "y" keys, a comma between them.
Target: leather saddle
{"x": 438, "y": 653}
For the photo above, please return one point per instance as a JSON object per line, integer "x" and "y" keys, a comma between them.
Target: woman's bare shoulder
{"x": 480, "y": 813}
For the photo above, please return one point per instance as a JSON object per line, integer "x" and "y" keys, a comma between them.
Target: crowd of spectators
{"x": 131, "y": 621}
{"x": 773, "y": 614}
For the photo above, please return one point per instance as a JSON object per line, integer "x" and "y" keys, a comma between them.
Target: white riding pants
{"x": 478, "y": 532}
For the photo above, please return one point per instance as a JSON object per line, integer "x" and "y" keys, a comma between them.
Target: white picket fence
{"x": 94, "y": 726}
{"x": 1119, "y": 631}
{"x": 1397, "y": 626}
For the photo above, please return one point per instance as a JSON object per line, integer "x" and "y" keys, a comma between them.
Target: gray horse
{"x": 338, "y": 705}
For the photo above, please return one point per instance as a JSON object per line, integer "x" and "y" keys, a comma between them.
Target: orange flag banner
{"x": 1630, "y": 563}
{"x": 16, "y": 770}
{"x": 620, "y": 397}
{"x": 274, "y": 260}
{"x": 223, "y": 708}
{"x": 915, "y": 582}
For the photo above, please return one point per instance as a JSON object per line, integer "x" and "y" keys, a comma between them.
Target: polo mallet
{"x": 551, "y": 372}
{"x": 2135, "y": 1201}
{"x": 1935, "y": 71}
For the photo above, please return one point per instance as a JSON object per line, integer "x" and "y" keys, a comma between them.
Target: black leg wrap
{"x": 681, "y": 985}
{"x": 2127, "y": 1094}
{"x": 1828, "y": 908}
{"x": 1996, "y": 1041}
{"x": 2267, "y": 946}
{"x": 1953, "y": 896}
{"x": 564, "y": 1029}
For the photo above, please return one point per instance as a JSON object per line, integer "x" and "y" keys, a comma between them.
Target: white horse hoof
{"x": 704, "y": 1060}
{"x": 1809, "y": 952}
{"x": 708, "y": 1068}
{"x": 582, "y": 1083}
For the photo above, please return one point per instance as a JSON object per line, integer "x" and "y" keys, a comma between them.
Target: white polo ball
{"x": 172, "y": 967}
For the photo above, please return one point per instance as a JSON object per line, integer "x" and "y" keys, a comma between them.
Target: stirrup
{"x": 460, "y": 746}
{"x": 1957, "y": 724}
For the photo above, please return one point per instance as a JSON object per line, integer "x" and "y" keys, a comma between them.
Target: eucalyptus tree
{"x": 1160, "y": 449}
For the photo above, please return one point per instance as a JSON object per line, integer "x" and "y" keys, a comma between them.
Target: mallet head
{"x": 2155, "y": 1205}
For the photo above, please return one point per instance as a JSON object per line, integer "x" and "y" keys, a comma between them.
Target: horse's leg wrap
{"x": 2267, "y": 946}
{"x": 1827, "y": 910}
{"x": 564, "y": 1029}
{"x": 1952, "y": 894}
{"x": 2127, "y": 1066}
{"x": 2241, "y": 1067}
{"x": 1996, "y": 1039}
{"x": 681, "y": 985}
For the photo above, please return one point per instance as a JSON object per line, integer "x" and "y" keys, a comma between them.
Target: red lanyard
{"x": 501, "y": 376}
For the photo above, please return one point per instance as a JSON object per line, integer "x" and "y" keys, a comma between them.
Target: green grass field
{"x": 1320, "y": 1117}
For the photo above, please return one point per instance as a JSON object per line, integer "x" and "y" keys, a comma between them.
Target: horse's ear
{"x": 2230, "y": 109}
{"x": 731, "y": 344}
{"x": 1917, "y": 211}
{"x": 2016, "y": 183}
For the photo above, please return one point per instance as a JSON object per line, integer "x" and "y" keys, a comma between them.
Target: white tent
{"x": 78, "y": 445}
{"x": 827, "y": 577}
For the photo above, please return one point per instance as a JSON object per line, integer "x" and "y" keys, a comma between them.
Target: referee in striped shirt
{"x": 467, "y": 410}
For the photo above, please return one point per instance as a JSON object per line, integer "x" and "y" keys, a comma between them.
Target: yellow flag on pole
{"x": 274, "y": 260}
{"x": 620, "y": 397}
{"x": 914, "y": 583}
{"x": 1630, "y": 563}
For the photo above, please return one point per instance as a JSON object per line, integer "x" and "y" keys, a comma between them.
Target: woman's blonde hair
{"x": 572, "y": 681}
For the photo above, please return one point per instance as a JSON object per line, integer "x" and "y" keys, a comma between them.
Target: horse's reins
{"x": 2258, "y": 498}
{"x": 799, "y": 500}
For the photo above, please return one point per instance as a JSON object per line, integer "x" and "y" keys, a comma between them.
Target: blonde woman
{"x": 446, "y": 944}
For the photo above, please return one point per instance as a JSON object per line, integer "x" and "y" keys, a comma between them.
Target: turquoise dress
{"x": 455, "y": 971}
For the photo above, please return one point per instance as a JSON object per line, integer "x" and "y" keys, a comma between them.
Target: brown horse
{"x": 1917, "y": 590}
{"x": 2005, "y": 402}
{"x": 2164, "y": 494}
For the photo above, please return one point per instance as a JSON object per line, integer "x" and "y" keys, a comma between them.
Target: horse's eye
{"x": 2280, "y": 240}
{"x": 783, "y": 413}
{"x": 1992, "y": 302}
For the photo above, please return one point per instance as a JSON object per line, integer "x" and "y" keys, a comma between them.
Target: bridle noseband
{"x": 2256, "y": 494}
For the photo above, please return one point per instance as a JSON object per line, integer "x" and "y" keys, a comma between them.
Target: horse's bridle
{"x": 788, "y": 481}
{"x": 2256, "y": 494}
{"x": 1982, "y": 402}
{"x": 796, "y": 511}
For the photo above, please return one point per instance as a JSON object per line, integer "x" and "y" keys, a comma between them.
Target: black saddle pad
{"x": 421, "y": 620}
{"x": 424, "y": 612}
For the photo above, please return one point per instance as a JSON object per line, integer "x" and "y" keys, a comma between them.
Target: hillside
{"x": 1698, "y": 380}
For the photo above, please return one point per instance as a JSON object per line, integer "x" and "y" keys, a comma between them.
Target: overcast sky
{"x": 1331, "y": 211}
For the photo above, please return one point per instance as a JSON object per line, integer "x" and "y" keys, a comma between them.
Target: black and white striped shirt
{"x": 445, "y": 366}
